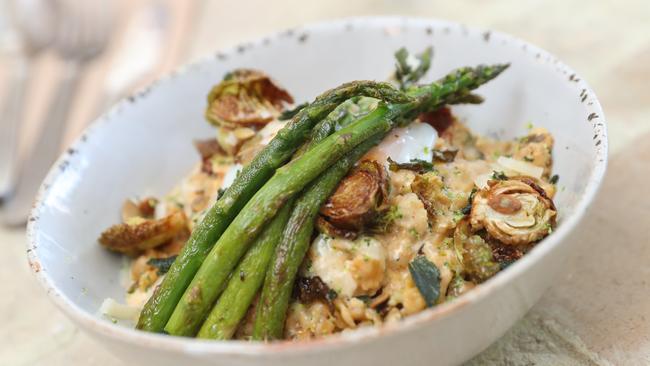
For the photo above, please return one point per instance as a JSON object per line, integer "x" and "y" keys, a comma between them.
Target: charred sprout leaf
{"x": 468, "y": 209}
{"x": 325, "y": 227}
{"x": 458, "y": 286}
{"x": 289, "y": 113}
{"x": 310, "y": 289}
{"x": 554, "y": 179}
{"x": 504, "y": 254}
{"x": 427, "y": 279}
{"x": 162, "y": 264}
{"x": 499, "y": 175}
{"x": 245, "y": 98}
{"x": 358, "y": 197}
{"x": 444, "y": 156}
{"x": 141, "y": 234}
{"x": 409, "y": 71}
{"x": 416, "y": 165}
{"x": 474, "y": 254}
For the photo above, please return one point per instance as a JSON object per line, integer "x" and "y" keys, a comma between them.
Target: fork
{"x": 82, "y": 32}
{"x": 27, "y": 38}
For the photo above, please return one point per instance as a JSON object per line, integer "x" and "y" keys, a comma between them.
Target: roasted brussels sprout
{"x": 245, "y": 98}
{"x": 535, "y": 148}
{"x": 358, "y": 197}
{"x": 138, "y": 234}
{"x": 514, "y": 211}
{"x": 429, "y": 188}
{"x": 244, "y": 102}
{"x": 474, "y": 253}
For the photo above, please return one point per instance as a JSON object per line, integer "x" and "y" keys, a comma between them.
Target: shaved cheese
{"x": 116, "y": 310}
{"x": 481, "y": 181}
{"x": 521, "y": 167}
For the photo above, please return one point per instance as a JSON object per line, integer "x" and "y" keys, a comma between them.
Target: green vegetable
{"x": 281, "y": 274}
{"x": 344, "y": 114}
{"x": 468, "y": 208}
{"x": 209, "y": 281}
{"x": 554, "y": 179}
{"x": 162, "y": 264}
{"x": 475, "y": 255}
{"x": 417, "y": 165}
{"x": 386, "y": 218}
{"x": 290, "y": 113}
{"x": 407, "y": 76}
{"x": 427, "y": 279}
{"x": 197, "y": 298}
{"x": 160, "y": 306}
{"x": 232, "y": 305}
{"x": 499, "y": 175}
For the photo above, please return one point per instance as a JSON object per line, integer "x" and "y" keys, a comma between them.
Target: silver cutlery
{"x": 29, "y": 34}
{"x": 82, "y": 32}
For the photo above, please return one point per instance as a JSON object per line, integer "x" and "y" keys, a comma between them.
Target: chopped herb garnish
{"x": 426, "y": 276}
{"x": 162, "y": 264}
{"x": 467, "y": 209}
{"x": 331, "y": 295}
{"x": 414, "y": 233}
{"x": 554, "y": 179}
{"x": 499, "y": 175}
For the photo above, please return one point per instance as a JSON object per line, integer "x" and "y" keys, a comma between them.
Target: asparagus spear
{"x": 272, "y": 308}
{"x": 289, "y": 254}
{"x": 242, "y": 287}
{"x": 160, "y": 306}
{"x": 209, "y": 281}
{"x": 245, "y": 281}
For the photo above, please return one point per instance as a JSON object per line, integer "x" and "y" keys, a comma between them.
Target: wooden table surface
{"x": 598, "y": 314}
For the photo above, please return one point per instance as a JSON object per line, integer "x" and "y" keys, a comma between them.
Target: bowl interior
{"x": 144, "y": 145}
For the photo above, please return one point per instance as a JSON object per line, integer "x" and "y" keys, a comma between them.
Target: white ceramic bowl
{"x": 144, "y": 146}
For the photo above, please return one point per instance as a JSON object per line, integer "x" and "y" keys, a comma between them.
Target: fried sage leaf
{"x": 162, "y": 264}
{"x": 426, "y": 276}
{"x": 416, "y": 165}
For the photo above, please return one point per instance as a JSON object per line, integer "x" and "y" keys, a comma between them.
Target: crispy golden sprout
{"x": 514, "y": 211}
{"x": 139, "y": 234}
{"x": 474, "y": 254}
{"x": 245, "y": 98}
{"x": 536, "y": 148}
{"x": 241, "y": 104}
{"x": 358, "y": 197}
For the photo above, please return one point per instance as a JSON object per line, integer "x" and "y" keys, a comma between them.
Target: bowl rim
{"x": 348, "y": 339}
